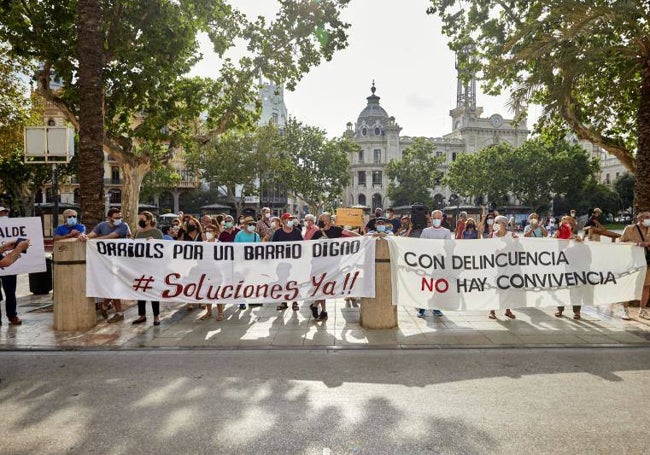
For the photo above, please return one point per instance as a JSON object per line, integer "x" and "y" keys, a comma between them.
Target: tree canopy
{"x": 586, "y": 62}
{"x": 414, "y": 176}
{"x": 534, "y": 172}
{"x": 151, "y": 107}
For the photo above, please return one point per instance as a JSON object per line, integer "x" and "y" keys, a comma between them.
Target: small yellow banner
{"x": 349, "y": 217}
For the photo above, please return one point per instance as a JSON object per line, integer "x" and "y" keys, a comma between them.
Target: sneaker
{"x": 626, "y": 315}
{"x": 322, "y": 316}
{"x": 314, "y": 310}
{"x": 643, "y": 314}
{"x": 15, "y": 321}
{"x": 242, "y": 306}
{"x": 437, "y": 313}
{"x": 421, "y": 312}
{"x": 117, "y": 317}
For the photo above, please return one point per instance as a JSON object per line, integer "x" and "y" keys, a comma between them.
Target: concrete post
{"x": 380, "y": 313}
{"x": 72, "y": 309}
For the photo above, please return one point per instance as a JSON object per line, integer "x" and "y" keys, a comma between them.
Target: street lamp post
{"x": 51, "y": 145}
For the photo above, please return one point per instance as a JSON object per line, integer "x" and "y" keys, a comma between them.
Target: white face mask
{"x": 436, "y": 222}
{"x": 117, "y": 222}
{"x": 250, "y": 228}
{"x": 289, "y": 223}
{"x": 490, "y": 222}
{"x": 496, "y": 228}
{"x": 209, "y": 235}
{"x": 646, "y": 222}
{"x": 267, "y": 216}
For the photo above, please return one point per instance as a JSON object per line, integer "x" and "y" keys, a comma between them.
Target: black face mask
{"x": 142, "y": 223}
{"x": 321, "y": 224}
{"x": 470, "y": 226}
{"x": 191, "y": 228}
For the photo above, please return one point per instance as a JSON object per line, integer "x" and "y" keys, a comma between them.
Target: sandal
{"x": 282, "y": 306}
{"x": 577, "y": 316}
{"x": 510, "y": 314}
{"x": 558, "y": 314}
{"x": 492, "y": 315}
{"x": 205, "y": 316}
{"x": 220, "y": 317}
{"x": 294, "y": 306}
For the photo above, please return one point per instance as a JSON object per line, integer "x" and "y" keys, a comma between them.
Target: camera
{"x": 18, "y": 240}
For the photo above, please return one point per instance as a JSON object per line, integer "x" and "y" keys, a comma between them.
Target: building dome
{"x": 372, "y": 118}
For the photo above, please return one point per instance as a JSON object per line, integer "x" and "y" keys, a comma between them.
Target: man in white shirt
{"x": 436, "y": 231}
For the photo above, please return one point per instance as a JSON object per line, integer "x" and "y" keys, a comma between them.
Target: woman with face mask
{"x": 470, "y": 232}
{"x": 276, "y": 224}
{"x": 147, "y": 231}
{"x": 534, "y": 228}
{"x": 211, "y": 233}
{"x": 500, "y": 231}
{"x": 406, "y": 227}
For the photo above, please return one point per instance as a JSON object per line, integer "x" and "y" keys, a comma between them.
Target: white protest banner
{"x": 33, "y": 259}
{"x": 201, "y": 272}
{"x": 509, "y": 273}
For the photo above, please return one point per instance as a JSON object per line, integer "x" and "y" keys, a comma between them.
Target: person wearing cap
{"x": 327, "y": 231}
{"x": 382, "y": 228}
{"x": 71, "y": 229}
{"x": 288, "y": 233}
{"x": 9, "y": 281}
{"x": 247, "y": 233}
{"x": 370, "y": 226}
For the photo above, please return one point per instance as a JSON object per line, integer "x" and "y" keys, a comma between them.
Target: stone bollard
{"x": 72, "y": 309}
{"x": 380, "y": 313}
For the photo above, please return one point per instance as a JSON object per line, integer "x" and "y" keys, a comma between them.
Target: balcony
{"x": 114, "y": 182}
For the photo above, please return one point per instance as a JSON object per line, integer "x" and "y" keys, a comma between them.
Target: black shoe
{"x": 140, "y": 320}
{"x": 156, "y": 322}
{"x": 322, "y": 316}
{"x": 314, "y": 310}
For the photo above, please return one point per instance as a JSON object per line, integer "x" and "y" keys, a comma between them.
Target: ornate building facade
{"x": 378, "y": 135}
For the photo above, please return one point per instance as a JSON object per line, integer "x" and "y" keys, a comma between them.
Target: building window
{"x": 607, "y": 179}
{"x": 377, "y": 131}
{"x": 360, "y": 156}
{"x": 376, "y": 179}
{"x": 453, "y": 156}
{"x": 361, "y": 178}
{"x": 115, "y": 175}
{"x": 362, "y": 199}
{"x": 364, "y": 131}
{"x": 438, "y": 153}
{"x": 376, "y": 156}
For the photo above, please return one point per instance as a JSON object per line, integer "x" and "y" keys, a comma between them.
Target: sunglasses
{"x": 71, "y": 216}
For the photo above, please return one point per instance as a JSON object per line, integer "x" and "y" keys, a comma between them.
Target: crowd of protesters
{"x": 267, "y": 227}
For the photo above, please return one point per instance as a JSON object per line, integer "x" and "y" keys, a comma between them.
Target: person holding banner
{"x": 211, "y": 234}
{"x": 406, "y": 227}
{"x": 147, "y": 230}
{"x": 639, "y": 234}
{"x": 113, "y": 228}
{"x": 500, "y": 230}
{"x": 470, "y": 232}
{"x": 566, "y": 232}
{"x": 327, "y": 231}
{"x": 310, "y": 226}
{"x": 288, "y": 233}
{"x": 437, "y": 232}
{"x": 15, "y": 249}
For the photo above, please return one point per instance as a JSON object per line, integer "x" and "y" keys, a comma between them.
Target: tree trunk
{"x": 91, "y": 112}
{"x": 642, "y": 174}
{"x": 134, "y": 171}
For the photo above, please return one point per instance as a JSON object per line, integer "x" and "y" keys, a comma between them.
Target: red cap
{"x": 286, "y": 216}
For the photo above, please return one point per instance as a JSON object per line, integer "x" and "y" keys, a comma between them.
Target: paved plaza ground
{"x": 265, "y": 327}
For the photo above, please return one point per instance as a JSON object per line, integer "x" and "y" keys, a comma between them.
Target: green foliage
{"x": 581, "y": 60}
{"x": 415, "y": 175}
{"x": 534, "y": 172}
{"x": 585, "y": 199}
{"x": 315, "y": 167}
{"x": 624, "y": 186}
{"x": 150, "y": 46}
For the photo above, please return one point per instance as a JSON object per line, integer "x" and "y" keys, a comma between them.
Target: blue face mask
{"x": 71, "y": 221}
{"x": 381, "y": 228}
{"x": 436, "y": 222}
{"x": 228, "y": 224}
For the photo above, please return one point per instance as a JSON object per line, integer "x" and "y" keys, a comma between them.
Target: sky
{"x": 396, "y": 44}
